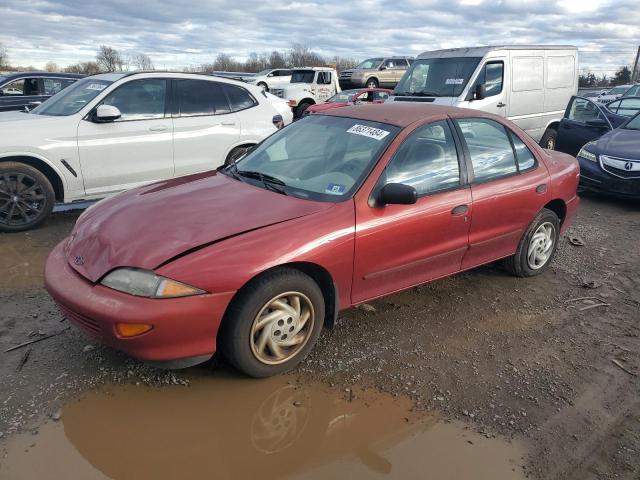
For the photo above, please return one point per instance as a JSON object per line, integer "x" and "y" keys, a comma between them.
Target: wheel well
{"x": 324, "y": 280}
{"x": 553, "y": 126}
{"x": 46, "y": 170}
{"x": 310, "y": 101}
{"x": 244, "y": 145}
{"x": 558, "y": 207}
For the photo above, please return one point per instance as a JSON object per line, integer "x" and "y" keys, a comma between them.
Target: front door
{"x": 398, "y": 246}
{"x": 133, "y": 150}
{"x": 583, "y": 122}
{"x": 492, "y": 76}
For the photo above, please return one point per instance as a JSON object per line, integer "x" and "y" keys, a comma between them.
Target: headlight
{"x": 144, "y": 283}
{"x": 586, "y": 154}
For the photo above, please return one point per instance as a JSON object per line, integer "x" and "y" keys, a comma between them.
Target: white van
{"x": 530, "y": 85}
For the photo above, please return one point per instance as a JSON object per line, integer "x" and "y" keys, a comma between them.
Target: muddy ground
{"x": 549, "y": 363}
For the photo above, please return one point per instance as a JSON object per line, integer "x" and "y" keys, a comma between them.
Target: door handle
{"x": 460, "y": 210}
{"x": 158, "y": 128}
{"x": 542, "y": 188}
{"x": 229, "y": 123}
{"x": 500, "y": 105}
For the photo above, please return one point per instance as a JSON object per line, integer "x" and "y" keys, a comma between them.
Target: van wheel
{"x": 263, "y": 86}
{"x": 372, "y": 83}
{"x": 26, "y": 197}
{"x": 548, "y": 140}
{"x": 273, "y": 323}
{"x": 301, "y": 109}
{"x": 537, "y": 246}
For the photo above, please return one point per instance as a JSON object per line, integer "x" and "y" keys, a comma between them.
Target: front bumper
{"x": 349, "y": 83}
{"x": 184, "y": 329}
{"x": 592, "y": 177}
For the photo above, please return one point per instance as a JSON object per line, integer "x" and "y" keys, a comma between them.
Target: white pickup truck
{"x": 307, "y": 87}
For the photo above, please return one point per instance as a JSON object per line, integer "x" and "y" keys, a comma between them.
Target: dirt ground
{"x": 549, "y": 363}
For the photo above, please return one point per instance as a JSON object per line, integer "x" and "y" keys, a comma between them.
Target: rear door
{"x": 508, "y": 186}
{"x": 398, "y": 246}
{"x": 583, "y": 122}
{"x": 205, "y": 128}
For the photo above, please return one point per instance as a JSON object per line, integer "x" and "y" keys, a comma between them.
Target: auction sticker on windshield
{"x": 370, "y": 132}
{"x": 96, "y": 86}
{"x": 454, "y": 81}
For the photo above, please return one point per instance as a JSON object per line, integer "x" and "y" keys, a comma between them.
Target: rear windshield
{"x": 302, "y": 76}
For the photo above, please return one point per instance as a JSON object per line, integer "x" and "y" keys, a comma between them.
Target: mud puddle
{"x": 232, "y": 428}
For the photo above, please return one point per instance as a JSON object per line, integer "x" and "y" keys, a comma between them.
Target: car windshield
{"x": 344, "y": 96}
{"x": 438, "y": 77}
{"x": 73, "y": 98}
{"x": 633, "y": 124}
{"x": 370, "y": 63}
{"x": 320, "y": 157}
{"x": 618, "y": 90}
{"x": 302, "y": 76}
{"x": 263, "y": 72}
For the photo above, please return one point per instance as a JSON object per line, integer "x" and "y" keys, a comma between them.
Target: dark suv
{"x": 30, "y": 89}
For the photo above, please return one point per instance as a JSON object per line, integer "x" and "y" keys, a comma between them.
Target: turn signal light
{"x": 132, "y": 329}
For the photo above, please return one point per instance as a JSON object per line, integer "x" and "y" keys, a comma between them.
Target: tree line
{"x": 588, "y": 79}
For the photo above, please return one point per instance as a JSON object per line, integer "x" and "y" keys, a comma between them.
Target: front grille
{"x": 346, "y": 74}
{"x": 278, "y": 92}
{"x": 86, "y": 323}
{"x": 621, "y": 167}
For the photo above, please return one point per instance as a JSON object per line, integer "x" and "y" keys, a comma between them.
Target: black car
{"x": 29, "y": 89}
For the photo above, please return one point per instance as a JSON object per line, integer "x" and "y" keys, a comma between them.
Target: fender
{"x": 55, "y": 168}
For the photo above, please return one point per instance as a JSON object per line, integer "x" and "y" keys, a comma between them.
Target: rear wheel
{"x": 26, "y": 197}
{"x": 372, "y": 83}
{"x": 302, "y": 108}
{"x": 537, "y": 246}
{"x": 273, "y": 323}
{"x": 548, "y": 140}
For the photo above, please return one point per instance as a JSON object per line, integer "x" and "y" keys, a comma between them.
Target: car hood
{"x": 150, "y": 226}
{"x": 621, "y": 143}
{"x": 21, "y": 117}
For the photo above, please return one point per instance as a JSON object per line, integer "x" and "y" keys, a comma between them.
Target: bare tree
{"x": 224, "y": 62}
{"x": 51, "y": 67}
{"x": 277, "y": 60}
{"x": 141, "y": 61}
{"x": 87, "y": 68}
{"x": 109, "y": 59}
{"x": 4, "y": 56}
{"x": 302, "y": 56}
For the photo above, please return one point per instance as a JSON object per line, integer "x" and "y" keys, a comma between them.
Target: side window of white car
{"x": 139, "y": 99}
{"x": 200, "y": 97}
{"x": 239, "y": 98}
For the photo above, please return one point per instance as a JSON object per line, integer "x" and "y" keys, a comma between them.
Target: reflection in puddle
{"x": 225, "y": 428}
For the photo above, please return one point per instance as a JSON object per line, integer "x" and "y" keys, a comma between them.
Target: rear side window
{"x": 200, "y": 97}
{"x": 427, "y": 160}
{"x": 489, "y": 147}
{"x": 239, "y": 98}
{"x": 526, "y": 160}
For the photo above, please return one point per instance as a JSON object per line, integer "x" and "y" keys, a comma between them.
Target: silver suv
{"x": 375, "y": 72}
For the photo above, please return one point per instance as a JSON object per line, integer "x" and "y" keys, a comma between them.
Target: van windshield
{"x": 437, "y": 77}
{"x": 302, "y": 76}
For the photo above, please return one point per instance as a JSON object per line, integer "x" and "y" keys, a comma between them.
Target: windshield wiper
{"x": 270, "y": 182}
{"x": 418, "y": 94}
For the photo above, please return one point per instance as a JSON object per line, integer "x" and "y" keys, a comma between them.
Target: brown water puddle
{"x": 232, "y": 428}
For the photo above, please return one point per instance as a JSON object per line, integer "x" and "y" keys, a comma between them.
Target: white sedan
{"x": 112, "y": 132}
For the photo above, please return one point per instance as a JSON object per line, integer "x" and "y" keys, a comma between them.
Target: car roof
{"x": 13, "y": 75}
{"x": 402, "y": 114}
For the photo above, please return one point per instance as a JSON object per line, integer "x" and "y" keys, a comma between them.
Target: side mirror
{"x": 397, "y": 194}
{"x": 480, "y": 91}
{"x": 382, "y": 67}
{"x": 597, "y": 123}
{"x": 107, "y": 113}
{"x": 270, "y": 75}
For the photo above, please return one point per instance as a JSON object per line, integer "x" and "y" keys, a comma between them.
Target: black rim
{"x": 22, "y": 199}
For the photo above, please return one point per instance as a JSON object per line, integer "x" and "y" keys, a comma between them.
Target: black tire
{"x": 549, "y": 139}
{"x": 372, "y": 83}
{"x": 300, "y": 109}
{"x": 236, "y": 340}
{"x": 519, "y": 264}
{"x": 26, "y": 197}
{"x": 263, "y": 85}
{"x": 236, "y": 153}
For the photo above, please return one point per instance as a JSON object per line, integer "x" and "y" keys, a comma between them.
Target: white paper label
{"x": 370, "y": 132}
{"x": 96, "y": 86}
{"x": 454, "y": 81}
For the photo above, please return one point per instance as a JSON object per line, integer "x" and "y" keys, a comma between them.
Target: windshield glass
{"x": 319, "y": 157}
{"x": 618, "y": 90}
{"x": 438, "y": 77}
{"x": 73, "y": 98}
{"x": 302, "y": 76}
{"x": 370, "y": 63}
{"x": 634, "y": 123}
{"x": 344, "y": 96}
{"x": 263, "y": 72}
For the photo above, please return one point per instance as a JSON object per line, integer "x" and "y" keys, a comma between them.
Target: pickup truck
{"x": 307, "y": 87}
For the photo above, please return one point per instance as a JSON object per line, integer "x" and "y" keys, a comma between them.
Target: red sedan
{"x": 334, "y": 210}
{"x": 351, "y": 97}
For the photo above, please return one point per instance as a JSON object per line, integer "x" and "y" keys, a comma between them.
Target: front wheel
{"x": 273, "y": 323}
{"x": 537, "y": 246}
{"x": 26, "y": 197}
{"x": 372, "y": 83}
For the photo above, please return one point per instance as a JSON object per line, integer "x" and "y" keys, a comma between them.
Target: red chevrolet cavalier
{"x": 334, "y": 210}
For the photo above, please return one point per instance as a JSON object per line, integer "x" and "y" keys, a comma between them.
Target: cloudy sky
{"x": 177, "y": 34}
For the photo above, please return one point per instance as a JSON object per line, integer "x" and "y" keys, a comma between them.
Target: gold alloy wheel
{"x": 282, "y": 328}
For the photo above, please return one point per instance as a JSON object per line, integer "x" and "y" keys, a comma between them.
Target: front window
{"x": 139, "y": 99}
{"x": 583, "y": 110}
{"x": 437, "y": 77}
{"x": 633, "y": 124}
{"x": 302, "y": 76}
{"x": 321, "y": 157}
{"x": 370, "y": 63}
{"x": 72, "y": 99}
